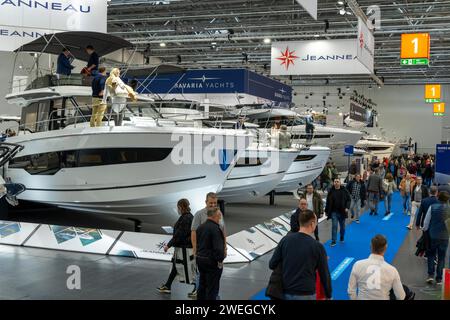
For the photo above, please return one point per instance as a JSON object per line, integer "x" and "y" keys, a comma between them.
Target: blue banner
{"x": 443, "y": 159}
{"x": 217, "y": 81}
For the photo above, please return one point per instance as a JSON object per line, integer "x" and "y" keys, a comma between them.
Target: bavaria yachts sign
{"x": 22, "y": 21}
{"x": 316, "y": 57}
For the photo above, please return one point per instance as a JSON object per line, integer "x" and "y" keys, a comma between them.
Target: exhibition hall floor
{"x": 28, "y": 273}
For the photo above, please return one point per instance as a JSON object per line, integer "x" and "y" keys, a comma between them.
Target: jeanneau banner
{"x": 316, "y": 57}
{"x": 22, "y": 21}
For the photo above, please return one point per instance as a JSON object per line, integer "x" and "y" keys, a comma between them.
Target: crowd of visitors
{"x": 299, "y": 262}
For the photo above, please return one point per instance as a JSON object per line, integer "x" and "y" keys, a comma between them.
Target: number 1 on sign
{"x": 415, "y": 42}
{"x": 433, "y": 90}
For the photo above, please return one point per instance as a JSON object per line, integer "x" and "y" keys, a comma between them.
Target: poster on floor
{"x": 251, "y": 243}
{"x": 15, "y": 233}
{"x": 287, "y": 216}
{"x": 143, "y": 246}
{"x": 233, "y": 256}
{"x": 77, "y": 239}
{"x": 273, "y": 229}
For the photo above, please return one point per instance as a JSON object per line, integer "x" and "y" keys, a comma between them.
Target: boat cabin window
{"x": 29, "y": 117}
{"x": 50, "y": 163}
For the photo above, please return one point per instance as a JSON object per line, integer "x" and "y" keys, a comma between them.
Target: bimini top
{"x": 76, "y": 42}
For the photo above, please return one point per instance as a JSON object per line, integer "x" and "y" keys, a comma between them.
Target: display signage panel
{"x": 432, "y": 93}
{"x": 217, "y": 81}
{"x": 365, "y": 45}
{"x": 415, "y": 49}
{"x": 73, "y": 239}
{"x": 439, "y": 109}
{"x": 316, "y": 57}
{"x": 15, "y": 233}
{"x": 251, "y": 243}
{"x": 310, "y": 6}
{"x": 143, "y": 246}
{"x": 273, "y": 229}
{"x": 442, "y": 174}
{"x": 22, "y": 21}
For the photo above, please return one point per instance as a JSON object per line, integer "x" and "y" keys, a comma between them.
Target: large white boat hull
{"x": 142, "y": 188}
{"x": 306, "y": 167}
{"x": 249, "y": 182}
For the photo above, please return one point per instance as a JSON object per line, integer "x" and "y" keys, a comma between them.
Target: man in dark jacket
{"x": 302, "y": 206}
{"x": 435, "y": 223}
{"x": 357, "y": 191}
{"x": 210, "y": 255}
{"x": 425, "y": 205}
{"x": 315, "y": 204}
{"x": 374, "y": 191}
{"x": 337, "y": 207}
{"x": 63, "y": 65}
{"x": 300, "y": 257}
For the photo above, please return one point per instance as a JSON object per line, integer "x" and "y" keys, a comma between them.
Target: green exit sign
{"x": 432, "y": 100}
{"x": 414, "y": 62}
{"x": 439, "y": 114}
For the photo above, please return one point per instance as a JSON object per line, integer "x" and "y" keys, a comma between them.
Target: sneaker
{"x": 439, "y": 282}
{"x": 430, "y": 280}
{"x": 341, "y": 240}
{"x": 353, "y": 217}
{"x": 357, "y": 221}
{"x": 409, "y": 227}
{"x": 192, "y": 294}
{"x": 164, "y": 289}
{"x": 333, "y": 244}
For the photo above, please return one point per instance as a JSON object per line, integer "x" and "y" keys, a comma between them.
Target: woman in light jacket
{"x": 118, "y": 91}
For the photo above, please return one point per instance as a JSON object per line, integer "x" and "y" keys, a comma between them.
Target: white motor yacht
{"x": 376, "y": 147}
{"x": 306, "y": 167}
{"x": 138, "y": 168}
{"x": 334, "y": 138}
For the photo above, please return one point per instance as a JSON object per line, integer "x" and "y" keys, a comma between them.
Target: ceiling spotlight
{"x": 162, "y": 45}
{"x": 267, "y": 40}
{"x": 340, "y": 3}
{"x": 316, "y": 35}
{"x": 213, "y": 43}
{"x": 342, "y": 11}
{"x": 347, "y": 88}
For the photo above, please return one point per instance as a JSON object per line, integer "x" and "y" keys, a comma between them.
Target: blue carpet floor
{"x": 357, "y": 245}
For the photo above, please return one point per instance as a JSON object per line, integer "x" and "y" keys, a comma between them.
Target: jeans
{"x": 295, "y": 297}
{"x": 414, "y": 208}
{"x": 336, "y": 219}
{"x": 388, "y": 202}
{"x": 209, "y": 280}
{"x": 407, "y": 203}
{"x": 355, "y": 208}
{"x": 374, "y": 198}
{"x": 173, "y": 274}
{"x": 437, "y": 247}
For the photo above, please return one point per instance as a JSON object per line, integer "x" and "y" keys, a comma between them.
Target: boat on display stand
{"x": 334, "y": 138}
{"x": 376, "y": 147}
{"x": 138, "y": 168}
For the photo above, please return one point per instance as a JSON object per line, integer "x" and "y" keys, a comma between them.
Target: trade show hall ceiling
{"x": 235, "y": 33}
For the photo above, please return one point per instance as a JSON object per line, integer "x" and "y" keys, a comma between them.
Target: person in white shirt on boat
{"x": 374, "y": 278}
{"x": 119, "y": 92}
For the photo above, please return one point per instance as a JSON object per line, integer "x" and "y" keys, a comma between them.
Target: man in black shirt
{"x": 337, "y": 207}
{"x": 301, "y": 256}
{"x": 210, "y": 255}
{"x": 92, "y": 65}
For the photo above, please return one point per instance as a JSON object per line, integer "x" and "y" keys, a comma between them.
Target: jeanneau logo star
{"x": 288, "y": 58}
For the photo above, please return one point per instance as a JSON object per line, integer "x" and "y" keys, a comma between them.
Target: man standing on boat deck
{"x": 98, "y": 89}
{"x": 93, "y": 63}
{"x": 200, "y": 218}
{"x": 64, "y": 66}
